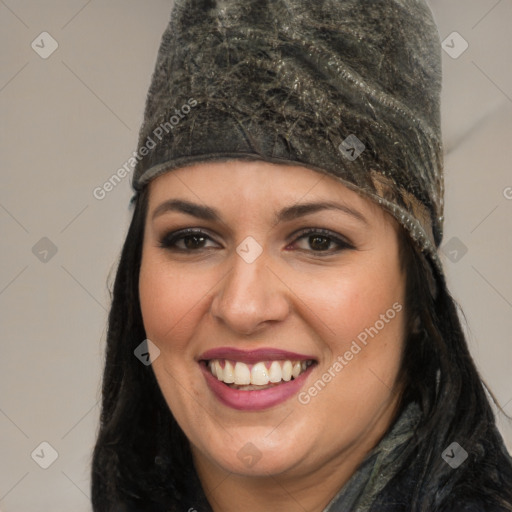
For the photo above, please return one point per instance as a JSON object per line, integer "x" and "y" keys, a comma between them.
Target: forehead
{"x": 256, "y": 185}
{"x": 237, "y": 190}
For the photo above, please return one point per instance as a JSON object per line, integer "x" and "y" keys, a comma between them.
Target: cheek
{"x": 157, "y": 301}
{"x": 167, "y": 300}
{"x": 359, "y": 316}
{"x": 351, "y": 302}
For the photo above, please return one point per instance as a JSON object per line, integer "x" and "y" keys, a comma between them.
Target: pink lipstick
{"x": 234, "y": 376}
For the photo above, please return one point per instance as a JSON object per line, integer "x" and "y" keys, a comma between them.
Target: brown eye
{"x": 193, "y": 240}
{"x": 319, "y": 241}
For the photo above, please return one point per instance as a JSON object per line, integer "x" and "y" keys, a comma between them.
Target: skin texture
{"x": 292, "y": 298}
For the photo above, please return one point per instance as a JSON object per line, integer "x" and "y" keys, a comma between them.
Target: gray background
{"x": 69, "y": 121}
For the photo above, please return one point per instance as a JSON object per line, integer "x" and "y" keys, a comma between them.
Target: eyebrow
{"x": 285, "y": 215}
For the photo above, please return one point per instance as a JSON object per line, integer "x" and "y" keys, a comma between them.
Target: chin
{"x": 258, "y": 457}
{"x": 257, "y": 463}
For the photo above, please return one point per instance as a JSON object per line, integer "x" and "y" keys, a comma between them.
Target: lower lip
{"x": 253, "y": 400}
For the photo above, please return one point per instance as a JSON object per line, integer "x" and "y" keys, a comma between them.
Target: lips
{"x": 254, "y": 379}
{"x": 253, "y": 356}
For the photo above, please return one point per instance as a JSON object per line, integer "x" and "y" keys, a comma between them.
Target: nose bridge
{"x": 249, "y": 294}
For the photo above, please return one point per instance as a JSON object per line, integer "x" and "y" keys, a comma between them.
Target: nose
{"x": 250, "y": 296}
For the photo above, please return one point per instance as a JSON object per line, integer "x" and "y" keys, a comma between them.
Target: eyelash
{"x": 169, "y": 240}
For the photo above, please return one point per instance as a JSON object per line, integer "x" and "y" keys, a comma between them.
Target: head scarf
{"x": 350, "y": 88}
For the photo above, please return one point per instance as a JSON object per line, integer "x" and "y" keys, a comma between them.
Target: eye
{"x": 319, "y": 240}
{"x": 193, "y": 239}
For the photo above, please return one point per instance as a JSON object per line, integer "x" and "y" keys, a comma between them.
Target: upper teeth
{"x": 257, "y": 374}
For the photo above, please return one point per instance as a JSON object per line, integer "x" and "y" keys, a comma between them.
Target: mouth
{"x": 255, "y": 379}
{"x": 259, "y": 376}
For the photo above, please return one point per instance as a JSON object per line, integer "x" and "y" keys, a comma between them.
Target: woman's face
{"x": 310, "y": 325}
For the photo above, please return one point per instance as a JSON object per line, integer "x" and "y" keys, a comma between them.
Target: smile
{"x": 254, "y": 380}
{"x": 259, "y": 376}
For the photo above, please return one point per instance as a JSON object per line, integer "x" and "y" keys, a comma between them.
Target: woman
{"x": 281, "y": 336}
